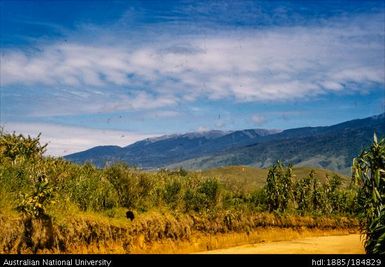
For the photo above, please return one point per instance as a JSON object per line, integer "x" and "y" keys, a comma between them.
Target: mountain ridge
{"x": 330, "y": 147}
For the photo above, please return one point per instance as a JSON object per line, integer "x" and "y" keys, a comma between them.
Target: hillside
{"x": 164, "y": 150}
{"x": 332, "y": 147}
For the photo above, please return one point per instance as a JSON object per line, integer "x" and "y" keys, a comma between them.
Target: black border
{"x": 209, "y": 259}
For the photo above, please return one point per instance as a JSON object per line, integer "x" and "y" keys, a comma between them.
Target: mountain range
{"x": 331, "y": 147}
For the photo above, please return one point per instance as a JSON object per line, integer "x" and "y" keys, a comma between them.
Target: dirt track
{"x": 342, "y": 244}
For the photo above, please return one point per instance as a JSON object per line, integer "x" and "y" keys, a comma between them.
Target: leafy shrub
{"x": 125, "y": 183}
{"x": 205, "y": 197}
{"x": 34, "y": 204}
{"x": 258, "y": 199}
{"x": 90, "y": 190}
{"x": 172, "y": 193}
{"x": 15, "y": 147}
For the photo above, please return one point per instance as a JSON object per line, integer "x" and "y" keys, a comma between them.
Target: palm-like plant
{"x": 369, "y": 174}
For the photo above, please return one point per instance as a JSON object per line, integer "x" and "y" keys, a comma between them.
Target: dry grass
{"x": 155, "y": 232}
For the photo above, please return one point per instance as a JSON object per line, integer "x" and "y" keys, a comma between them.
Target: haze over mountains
{"x": 332, "y": 147}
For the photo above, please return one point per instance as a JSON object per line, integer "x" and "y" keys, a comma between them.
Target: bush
{"x": 125, "y": 183}
{"x": 172, "y": 193}
{"x": 34, "y": 204}
{"x": 18, "y": 147}
{"x": 258, "y": 199}
{"x": 205, "y": 197}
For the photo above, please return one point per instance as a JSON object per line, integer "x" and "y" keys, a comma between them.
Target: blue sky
{"x": 87, "y": 73}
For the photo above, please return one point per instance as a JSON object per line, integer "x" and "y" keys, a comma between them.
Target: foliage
{"x": 14, "y": 147}
{"x": 34, "y": 204}
{"x": 333, "y": 194}
{"x": 205, "y": 197}
{"x": 304, "y": 195}
{"x": 278, "y": 187}
{"x": 125, "y": 183}
{"x": 318, "y": 200}
{"x": 369, "y": 174}
{"x": 119, "y": 186}
{"x": 172, "y": 193}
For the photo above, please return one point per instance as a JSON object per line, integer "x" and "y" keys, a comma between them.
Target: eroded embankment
{"x": 154, "y": 232}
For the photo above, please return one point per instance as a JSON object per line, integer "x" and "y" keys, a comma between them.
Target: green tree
{"x": 278, "y": 187}
{"x": 334, "y": 194}
{"x": 317, "y": 196}
{"x": 303, "y": 193}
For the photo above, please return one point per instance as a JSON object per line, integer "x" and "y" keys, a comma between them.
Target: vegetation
{"x": 369, "y": 174}
{"x": 72, "y": 203}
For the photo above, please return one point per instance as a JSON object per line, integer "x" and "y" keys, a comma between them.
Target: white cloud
{"x": 258, "y": 119}
{"x": 64, "y": 140}
{"x": 135, "y": 101}
{"x": 75, "y": 102}
{"x": 277, "y": 64}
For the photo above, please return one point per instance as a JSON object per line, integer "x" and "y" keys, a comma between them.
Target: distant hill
{"x": 332, "y": 147}
{"x": 169, "y": 149}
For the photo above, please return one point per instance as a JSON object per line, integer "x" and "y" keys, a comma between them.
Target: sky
{"x": 88, "y": 73}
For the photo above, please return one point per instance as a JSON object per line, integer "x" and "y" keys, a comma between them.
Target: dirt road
{"x": 341, "y": 244}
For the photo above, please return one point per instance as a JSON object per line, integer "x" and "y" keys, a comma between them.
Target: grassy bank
{"x": 155, "y": 232}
